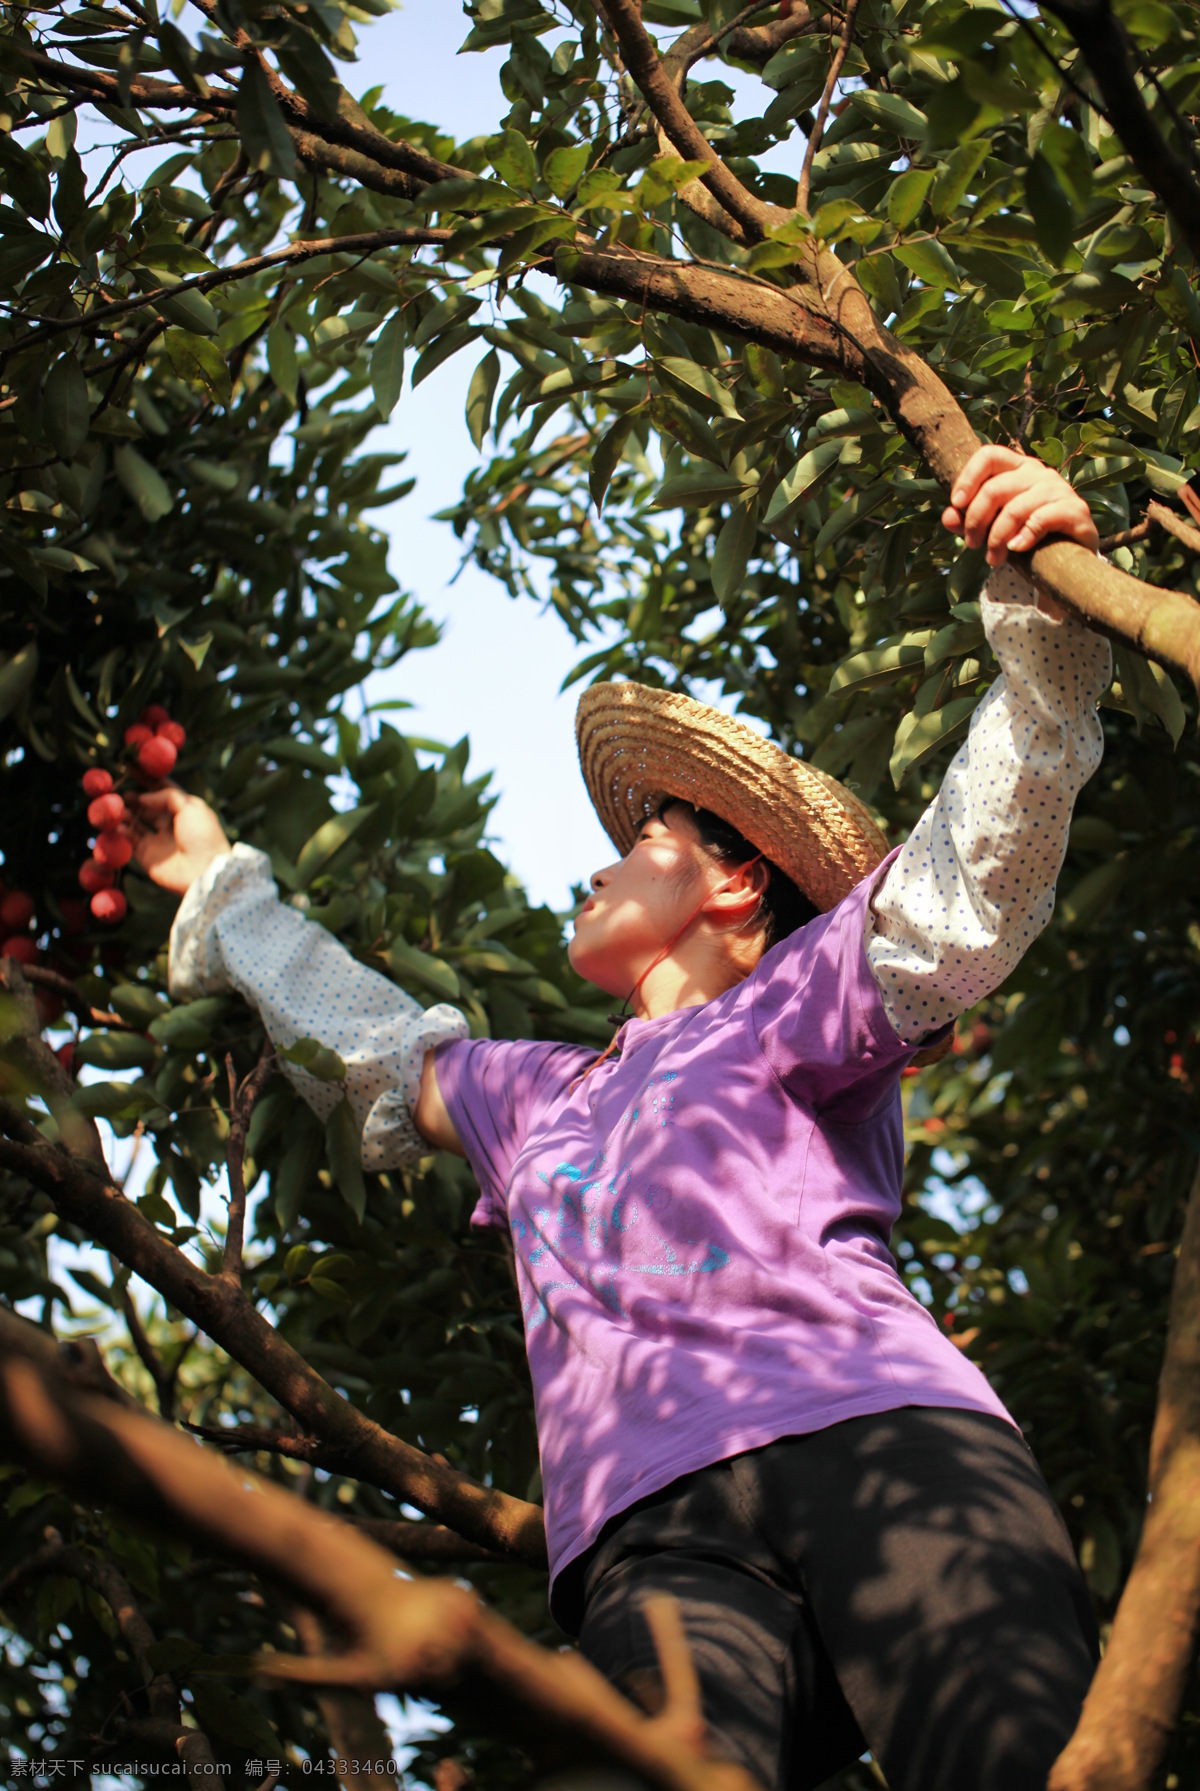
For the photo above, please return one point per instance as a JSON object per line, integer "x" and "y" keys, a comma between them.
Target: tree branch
{"x": 429, "y": 1636}
{"x": 1101, "y": 40}
{"x": 241, "y": 1107}
{"x": 818, "y": 129}
{"x": 689, "y": 141}
{"x": 364, "y": 243}
{"x": 72, "y": 1000}
{"x": 1134, "y": 1700}
{"x": 93, "y": 1201}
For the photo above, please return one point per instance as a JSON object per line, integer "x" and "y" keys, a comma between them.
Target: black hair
{"x": 783, "y": 907}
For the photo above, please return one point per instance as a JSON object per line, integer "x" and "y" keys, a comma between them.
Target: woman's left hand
{"x": 1012, "y": 501}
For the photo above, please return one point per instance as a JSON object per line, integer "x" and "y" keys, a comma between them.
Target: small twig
{"x": 1126, "y": 537}
{"x": 818, "y": 129}
{"x": 241, "y": 1107}
{"x": 165, "y": 1378}
{"x": 83, "y": 1010}
{"x": 1174, "y": 525}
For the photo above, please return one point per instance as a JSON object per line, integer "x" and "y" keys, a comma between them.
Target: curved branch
{"x": 828, "y": 322}
{"x": 1134, "y": 1700}
{"x": 655, "y": 85}
{"x": 421, "y": 1635}
{"x": 94, "y": 1202}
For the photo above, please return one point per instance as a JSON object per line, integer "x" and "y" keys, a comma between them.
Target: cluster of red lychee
{"x": 154, "y": 741}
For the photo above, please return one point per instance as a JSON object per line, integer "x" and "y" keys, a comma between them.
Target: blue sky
{"x": 496, "y": 673}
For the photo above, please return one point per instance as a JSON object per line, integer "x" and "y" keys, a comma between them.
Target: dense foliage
{"x": 185, "y": 402}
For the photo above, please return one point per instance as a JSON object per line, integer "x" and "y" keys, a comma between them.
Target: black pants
{"x": 901, "y": 1582}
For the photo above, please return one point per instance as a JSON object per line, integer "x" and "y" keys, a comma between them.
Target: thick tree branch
{"x": 1174, "y": 525}
{"x": 76, "y": 1361}
{"x": 1101, "y": 40}
{"x": 414, "y": 1541}
{"x": 94, "y": 1202}
{"x": 828, "y": 322}
{"x": 429, "y": 1636}
{"x": 818, "y": 129}
{"x": 1134, "y": 1700}
{"x": 655, "y": 85}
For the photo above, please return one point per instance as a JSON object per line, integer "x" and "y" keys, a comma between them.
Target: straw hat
{"x": 637, "y": 745}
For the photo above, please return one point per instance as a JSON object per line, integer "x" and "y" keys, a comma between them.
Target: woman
{"x": 738, "y": 1400}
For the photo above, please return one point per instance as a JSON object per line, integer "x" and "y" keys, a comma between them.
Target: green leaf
{"x": 262, "y": 128}
{"x": 480, "y": 394}
{"x": 930, "y": 261}
{"x": 387, "y": 364}
{"x": 1053, "y": 214}
{"x": 790, "y": 491}
{"x": 281, "y": 360}
{"x": 200, "y": 362}
{"x": 318, "y": 1059}
{"x": 343, "y": 1146}
{"x": 564, "y": 167}
{"x": 907, "y": 195}
{"x": 412, "y": 965}
{"x": 607, "y": 456}
{"x": 116, "y": 1051}
{"x": 16, "y": 676}
{"x": 700, "y": 380}
{"x": 65, "y": 406}
{"x": 735, "y": 544}
{"x": 880, "y": 664}
{"x": 144, "y": 483}
{"x": 918, "y": 736}
{"x": 1094, "y": 892}
{"x": 512, "y": 158}
{"x": 890, "y": 111}
{"x": 232, "y": 1718}
{"x": 190, "y": 1027}
{"x": 329, "y": 838}
{"x": 954, "y": 177}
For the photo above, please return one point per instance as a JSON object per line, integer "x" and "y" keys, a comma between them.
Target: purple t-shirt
{"x": 701, "y": 1227}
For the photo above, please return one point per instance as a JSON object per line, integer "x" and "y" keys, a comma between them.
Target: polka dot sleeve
{"x": 233, "y": 934}
{"x": 974, "y": 886}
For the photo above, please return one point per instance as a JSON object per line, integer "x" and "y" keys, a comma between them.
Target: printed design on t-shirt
{"x": 599, "y": 1225}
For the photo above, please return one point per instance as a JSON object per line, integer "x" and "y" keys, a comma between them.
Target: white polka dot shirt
{"x": 971, "y": 890}
{"x": 974, "y": 886}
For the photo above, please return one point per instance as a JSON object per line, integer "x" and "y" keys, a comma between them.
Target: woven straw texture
{"x": 637, "y": 745}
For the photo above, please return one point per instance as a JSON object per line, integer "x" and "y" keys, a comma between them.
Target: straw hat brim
{"x": 638, "y": 745}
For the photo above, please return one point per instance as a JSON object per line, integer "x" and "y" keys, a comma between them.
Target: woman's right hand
{"x": 175, "y": 837}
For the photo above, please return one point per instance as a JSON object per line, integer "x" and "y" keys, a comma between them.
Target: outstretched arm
{"x": 974, "y": 885}
{"x": 232, "y": 932}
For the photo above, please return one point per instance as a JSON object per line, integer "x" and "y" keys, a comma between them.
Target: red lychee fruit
{"x": 113, "y": 849}
{"x": 16, "y": 910}
{"x": 172, "y": 731}
{"x": 94, "y": 876}
{"x": 154, "y": 716}
{"x": 106, "y": 811}
{"x": 97, "y": 782}
{"x": 156, "y": 757}
{"x": 138, "y": 734}
{"x": 109, "y": 905}
{"x": 20, "y": 947}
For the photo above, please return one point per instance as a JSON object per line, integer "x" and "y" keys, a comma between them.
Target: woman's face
{"x": 639, "y": 902}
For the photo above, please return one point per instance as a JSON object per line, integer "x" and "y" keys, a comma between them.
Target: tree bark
{"x": 1134, "y": 1701}
{"x": 429, "y": 1636}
